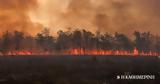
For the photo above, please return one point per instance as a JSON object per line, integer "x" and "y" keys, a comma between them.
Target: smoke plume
{"x": 123, "y": 16}
{"x": 14, "y": 16}
{"x": 103, "y": 15}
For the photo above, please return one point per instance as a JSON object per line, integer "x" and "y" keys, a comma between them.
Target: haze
{"x": 124, "y": 16}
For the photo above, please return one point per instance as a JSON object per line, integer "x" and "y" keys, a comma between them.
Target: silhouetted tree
{"x": 87, "y": 40}
{"x": 83, "y": 39}
{"x": 143, "y": 41}
{"x": 108, "y": 41}
{"x": 29, "y": 43}
{"x": 77, "y": 39}
{"x": 123, "y": 42}
{"x": 157, "y": 44}
{"x": 63, "y": 41}
{"x": 6, "y": 41}
{"x": 98, "y": 40}
{"x": 46, "y": 41}
{"x": 18, "y": 37}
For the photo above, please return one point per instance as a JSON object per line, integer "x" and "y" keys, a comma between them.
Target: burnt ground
{"x": 77, "y": 69}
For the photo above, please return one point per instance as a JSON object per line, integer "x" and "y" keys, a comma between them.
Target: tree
{"x": 138, "y": 40}
{"x": 18, "y": 37}
{"x": 143, "y": 41}
{"x": 63, "y": 40}
{"x": 98, "y": 40}
{"x": 87, "y": 39}
{"x": 156, "y": 46}
{"x": 77, "y": 39}
{"x": 6, "y": 41}
{"x": 107, "y": 42}
{"x": 123, "y": 42}
{"x": 45, "y": 41}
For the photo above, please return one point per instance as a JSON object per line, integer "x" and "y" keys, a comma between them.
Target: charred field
{"x": 77, "y": 69}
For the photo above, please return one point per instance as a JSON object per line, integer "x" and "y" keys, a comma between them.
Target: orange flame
{"x": 80, "y": 51}
{"x": 135, "y": 52}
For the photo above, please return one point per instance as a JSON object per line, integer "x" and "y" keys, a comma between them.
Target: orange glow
{"x": 77, "y": 51}
{"x": 24, "y": 53}
{"x": 135, "y": 52}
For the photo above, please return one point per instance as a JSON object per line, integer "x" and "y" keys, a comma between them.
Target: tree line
{"x": 83, "y": 39}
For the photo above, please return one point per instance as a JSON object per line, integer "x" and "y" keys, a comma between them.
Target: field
{"x": 77, "y": 69}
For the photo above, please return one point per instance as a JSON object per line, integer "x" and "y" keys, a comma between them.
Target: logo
{"x": 136, "y": 77}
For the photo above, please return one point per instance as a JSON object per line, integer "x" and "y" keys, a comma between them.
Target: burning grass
{"x": 79, "y": 52}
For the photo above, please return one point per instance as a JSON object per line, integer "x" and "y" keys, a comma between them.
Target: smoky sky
{"x": 123, "y": 16}
{"x": 14, "y": 16}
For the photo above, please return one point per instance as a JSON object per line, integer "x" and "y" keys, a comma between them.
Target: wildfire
{"x": 77, "y": 51}
{"x": 135, "y": 52}
{"x": 23, "y": 53}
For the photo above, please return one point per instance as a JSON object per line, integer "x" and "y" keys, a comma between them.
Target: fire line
{"x": 77, "y": 51}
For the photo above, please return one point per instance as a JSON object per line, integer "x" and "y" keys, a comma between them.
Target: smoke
{"x": 123, "y": 16}
{"x": 14, "y": 16}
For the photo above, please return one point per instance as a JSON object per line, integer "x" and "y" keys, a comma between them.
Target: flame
{"x": 135, "y": 52}
{"x": 23, "y": 53}
{"x": 80, "y": 51}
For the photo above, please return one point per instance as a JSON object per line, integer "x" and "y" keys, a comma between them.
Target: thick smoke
{"x": 123, "y": 16}
{"x": 104, "y": 15}
{"x": 14, "y": 16}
